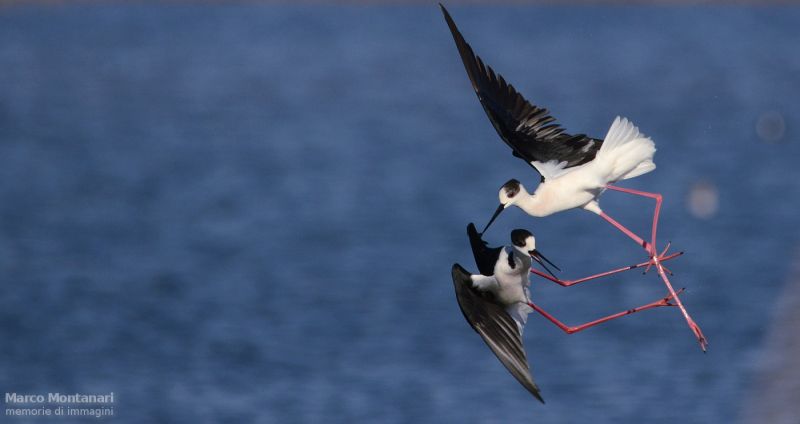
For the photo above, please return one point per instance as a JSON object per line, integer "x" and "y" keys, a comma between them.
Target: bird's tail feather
{"x": 625, "y": 152}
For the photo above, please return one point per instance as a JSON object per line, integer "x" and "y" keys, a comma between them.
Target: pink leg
{"x": 658, "y": 198}
{"x": 569, "y": 330}
{"x": 567, "y": 283}
{"x": 695, "y": 328}
{"x": 657, "y": 259}
{"x": 645, "y": 245}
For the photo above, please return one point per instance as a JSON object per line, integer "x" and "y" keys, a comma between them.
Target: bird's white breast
{"x": 512, "y": 282}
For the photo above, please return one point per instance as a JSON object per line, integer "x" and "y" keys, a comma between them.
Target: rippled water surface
{"x": 249, "y": 213}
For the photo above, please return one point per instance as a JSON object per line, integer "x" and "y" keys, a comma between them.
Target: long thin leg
{"x": 658, "y": 198}
{"x": 657, "y": 259}
{"x": 567, "y": 283}
{"x": 645, "y": 245}
{"x": 569, "y": 330}
{"x": 695, "y": 328}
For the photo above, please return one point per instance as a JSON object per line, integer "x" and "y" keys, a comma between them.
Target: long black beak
{"x": 496, "y": 213}
{"x": 539, "y": 257}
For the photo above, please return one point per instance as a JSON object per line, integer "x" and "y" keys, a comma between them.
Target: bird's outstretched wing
{"x": 486, "y": 257}
{"x": 529, "y": 130}
{"x": 496, "y": 327}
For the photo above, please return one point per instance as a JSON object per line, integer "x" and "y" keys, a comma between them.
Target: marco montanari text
{"x": 59, "y": 398}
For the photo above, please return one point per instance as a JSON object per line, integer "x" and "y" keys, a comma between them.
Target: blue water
{"x": 249, "y": 213}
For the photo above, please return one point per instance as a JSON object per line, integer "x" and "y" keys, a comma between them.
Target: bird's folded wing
{"x": 529, "y": 130}
{"x": 496, "y": 328}
{"x": 486, "y": 257}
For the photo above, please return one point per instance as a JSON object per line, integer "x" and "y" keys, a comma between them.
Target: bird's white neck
{"x": 532, "y": 204}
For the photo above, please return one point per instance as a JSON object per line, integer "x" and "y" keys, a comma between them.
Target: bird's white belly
{"x": 570, "y": 191}
{"x": 512, "y": 292}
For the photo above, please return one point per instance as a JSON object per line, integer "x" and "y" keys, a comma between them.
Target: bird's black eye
{"x": 511, "y": 188}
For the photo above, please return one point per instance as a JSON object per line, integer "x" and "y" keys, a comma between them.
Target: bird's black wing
{"x": 485, "y": 257}
{"x": 529, "y": 130}
{"x": 496, "y": 328}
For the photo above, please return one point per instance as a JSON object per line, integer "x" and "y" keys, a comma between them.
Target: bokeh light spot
{"x": 770, "y": 127}
{"x": 703, "y": 199}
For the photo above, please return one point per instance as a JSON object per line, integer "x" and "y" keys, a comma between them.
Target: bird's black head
{"x": 520, "y": 240}
{"x": 519, "y": 237}
{"x": 511, "y": 188}
{"x": 506, "y": 196}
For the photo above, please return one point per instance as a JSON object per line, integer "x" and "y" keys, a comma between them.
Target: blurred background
{"x": 248, "y": 212}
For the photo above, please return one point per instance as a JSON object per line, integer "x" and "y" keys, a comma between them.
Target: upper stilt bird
{"x": 533, "y": 136}
{"x": 496, "y": 302}
{"x": 625, "y": 153}
{"x": 575, "y": 169}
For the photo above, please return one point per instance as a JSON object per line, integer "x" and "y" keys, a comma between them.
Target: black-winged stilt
{"x": 496, "y": 302}
{"x": 575, "y": 169}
